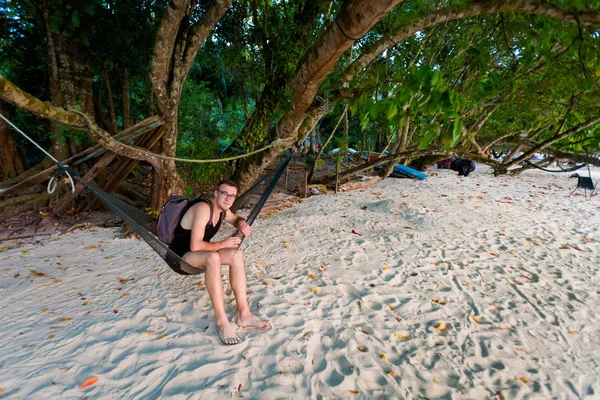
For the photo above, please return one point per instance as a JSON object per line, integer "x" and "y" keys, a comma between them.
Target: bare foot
{"x": 250, "y": 320}
{"x": 227, "y": 334}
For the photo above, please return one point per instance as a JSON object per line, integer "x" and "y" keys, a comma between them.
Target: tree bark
{"x": 10, "y": 162}
{"x": 125, "y": 98}
{"x": 111, "y": 103}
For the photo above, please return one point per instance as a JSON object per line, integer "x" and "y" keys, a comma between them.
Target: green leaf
{"x": 427, "y": 139}
{"x": 456, "y": 129}
{"x": 392, "y": 110}
{"x": 75, "y": 19}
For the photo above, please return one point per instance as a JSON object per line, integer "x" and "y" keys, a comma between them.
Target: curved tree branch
{"x": 14, "y": 95}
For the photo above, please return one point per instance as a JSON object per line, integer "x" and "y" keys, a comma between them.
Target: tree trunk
{"x": 70, "y": 85}
{"x": 10, "y": 162}
{"x": 353, "y": 21}
{"x": 111, "y": 103}
{"x": 125, "y": 98}
{"x": 177, "y": 42}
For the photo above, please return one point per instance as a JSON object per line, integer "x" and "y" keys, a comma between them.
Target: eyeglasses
{"x": 226, "y": 195}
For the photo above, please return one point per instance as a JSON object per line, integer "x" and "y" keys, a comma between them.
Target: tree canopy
{"x": 415, "y": 78}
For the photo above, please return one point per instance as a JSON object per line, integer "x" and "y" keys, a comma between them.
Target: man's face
{"x": 225, "y": 196}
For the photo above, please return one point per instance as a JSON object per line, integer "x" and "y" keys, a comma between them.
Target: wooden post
{"x": 305, "y": 183}
{"x": 337, "y": 175}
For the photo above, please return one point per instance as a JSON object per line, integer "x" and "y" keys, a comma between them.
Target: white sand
{"x": 512, "y": 262}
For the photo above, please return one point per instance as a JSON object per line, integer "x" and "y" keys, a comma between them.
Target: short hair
{"x": 228, "y": 183}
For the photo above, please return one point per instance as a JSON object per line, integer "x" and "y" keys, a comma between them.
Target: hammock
{"x": 142, "y": 223}
{"x": 571, "y": 169}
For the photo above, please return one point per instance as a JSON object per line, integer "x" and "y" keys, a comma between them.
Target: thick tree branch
{"x": 19, "y": 98}
{"x": 406, "y": 30}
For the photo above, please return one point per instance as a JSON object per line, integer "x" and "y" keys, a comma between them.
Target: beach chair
{"x": 584, "y": 182}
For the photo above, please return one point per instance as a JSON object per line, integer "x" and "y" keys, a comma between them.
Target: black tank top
{"x": 182, "y": 237}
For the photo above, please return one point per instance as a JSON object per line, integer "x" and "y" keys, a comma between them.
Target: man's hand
{"x": 232, "y": 242}
{"x": 244, "y": 228}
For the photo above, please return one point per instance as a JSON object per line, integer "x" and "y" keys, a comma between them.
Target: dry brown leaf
{"x": 50, "y": 336}
{"x": 439, "y": 301}
{"x": 362, "y": 348}
{"x": 85, "y": 303}
{"x": 266, "y": 282}
{"x": 65, "y": 319}
{"x": 354, "y": 391}
{"x": 122, "y": 280}
{"x": 315, "y": 290}
{"x": 522, "y": 379}
{"x": 90, "y": 247}
{"x": 150, "y": 332}
{"x": 162, "y": 335}
{"x": 311, "y": 276}
{"x": 360, "y": 303}
{"x": 38, "y": 274}
{"x": 401, "y": 336}
{"x": 391, "y": 373}
{"x": 476, "y": 319}
{"x": 45, "y": 309}
{"x": 89, "y": 382}
{"x": 16, "y": 275}
{"x": 383, "y": 356}
{"x": 390, "y": 306}
{"x": 125, "y": 294}
{"x": 440, "y": 327}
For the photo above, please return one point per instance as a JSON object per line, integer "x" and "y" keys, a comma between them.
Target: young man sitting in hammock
{"x": 199, "y": 223}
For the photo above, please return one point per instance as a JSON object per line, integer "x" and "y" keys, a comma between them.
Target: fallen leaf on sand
{"x": 363, "y": 349}
{"x": 494, "y": 254}
{"x": 440, "y": 327}
{"x": 354, "y": 391}
{"x": 391, "y": 373}
{"x": 522, "y": 379}
{"x": 50, "y": 336}
{"x": 315, "y": 290}
{"x": 266, "y": 282}
{"x": 150, "y": 332}
{"x": 383, "y": 356}
{"x": 360, "y": 304}
{"x": 122, "y": 280}
{"x": 64, "y": 319}
{"x": 401, "y": 336}
{"x": 16, "y": 275}
{"x": 311, "y": 276}
{"x": 38, "y": 274}
{"x": 90, "y": 247}
{"x": 162, "y": 335}
{"x": 45, "y": 309}
{"x": 390, "y": 306}
{"x": 356, "y": 233}
{"x": 476, "y": 319}
{"x": 3, "y": 249}
{"x": 439, "y": 301}
{"x": 89, "y": 382}
{"x": 564, "y": 246}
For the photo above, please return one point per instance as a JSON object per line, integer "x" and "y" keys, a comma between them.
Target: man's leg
{"x": 237, "y": 277}
{"x": 210, "y": 261}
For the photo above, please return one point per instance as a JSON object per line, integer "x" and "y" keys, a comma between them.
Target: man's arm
{"x": 239, "y": 222}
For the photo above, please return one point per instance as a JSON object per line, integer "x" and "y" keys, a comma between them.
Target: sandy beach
{"x": 448, "y": 288}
